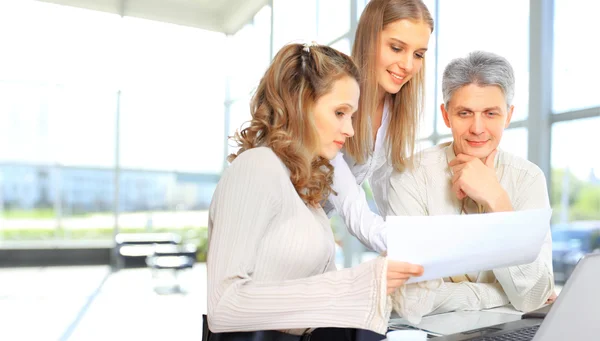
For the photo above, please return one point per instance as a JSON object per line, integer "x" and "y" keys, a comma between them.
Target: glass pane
{"x": 423, "y": 144}
{"x": 86, "y": 202}
{"x": 164, "y": 55}
{"x": 58, "y": 44}
{"x": 172, "y": 126}
{"x": 57, "y": 172}
{"x": 294, "y": 21}
{"x": 583, "y": 167}
{"x": 360, "y": 7}
{"x": 59, "y": 74}
{"x": 342, "y": 45}
{"x": 576, "y": 68}
{"x": 82, "y": 123}
{"x": 333, "y": 19}
{"x": 426, "y": 126}
{"x": 171, "y": 130}
{"x": 574, "y": 194}
{"x": 445, "y": 139}
{"x": 24, "y": 126}
{"x": 431, "y": 7}
{"x": 26, "y": 177}
{"x": 172, "y": 102}
{"x": 45, "y": 193}
{"x": 255, "y": 40}
{"x": 515, "y": 141}
{"x": 239, "y": 115}
{"x": 170, "y": 163}
{"x": 479, "y": 33}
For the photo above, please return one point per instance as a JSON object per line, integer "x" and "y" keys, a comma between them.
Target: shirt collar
{"x": 382, "y": 131}
{"x": 386, "y": 111}
{"x": 450, "y": 152}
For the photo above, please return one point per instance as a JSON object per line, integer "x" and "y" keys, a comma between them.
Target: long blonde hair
{"x": 281, "y": 114}
{"x": 407, "y": 105}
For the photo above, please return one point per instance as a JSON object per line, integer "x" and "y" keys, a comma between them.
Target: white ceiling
{"x": 225, "y": 16}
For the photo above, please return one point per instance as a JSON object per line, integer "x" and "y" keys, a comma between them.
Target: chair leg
{"x": 205, "y": 330}
{"x": 177, "y": 286}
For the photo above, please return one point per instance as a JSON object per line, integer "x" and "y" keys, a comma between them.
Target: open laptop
{"x": 575, "y": 315}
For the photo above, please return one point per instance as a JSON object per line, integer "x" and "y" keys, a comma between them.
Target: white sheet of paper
{"x": 449, "y": 245}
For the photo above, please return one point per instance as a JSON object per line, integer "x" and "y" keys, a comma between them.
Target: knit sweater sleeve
{"x": 245, "y": 205}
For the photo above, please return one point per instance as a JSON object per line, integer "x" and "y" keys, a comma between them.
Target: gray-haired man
{"x": 471, "y": 175}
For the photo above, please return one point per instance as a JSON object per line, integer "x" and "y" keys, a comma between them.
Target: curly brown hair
{"x": 282, "y": 119}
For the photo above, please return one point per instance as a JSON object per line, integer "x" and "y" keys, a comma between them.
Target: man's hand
{"x": 477, "y": 180}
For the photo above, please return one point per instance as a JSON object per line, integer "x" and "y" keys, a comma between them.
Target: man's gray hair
{"x": 480, "y": 68}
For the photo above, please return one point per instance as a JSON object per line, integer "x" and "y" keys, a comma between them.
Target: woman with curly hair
{"x": 271, "y": 250}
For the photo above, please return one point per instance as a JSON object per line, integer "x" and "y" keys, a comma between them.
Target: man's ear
{"x": 509, "y": 116}
{"x": 445, "y": 115}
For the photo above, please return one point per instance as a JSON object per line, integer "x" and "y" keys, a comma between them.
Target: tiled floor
{"x": 90, "y": 303}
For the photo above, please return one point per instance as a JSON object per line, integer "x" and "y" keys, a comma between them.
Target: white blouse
{"x": 351, "y": 202}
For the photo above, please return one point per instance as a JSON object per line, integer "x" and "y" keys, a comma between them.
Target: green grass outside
{"x": 38, "y": 213}
{"x": 42, "y": 213}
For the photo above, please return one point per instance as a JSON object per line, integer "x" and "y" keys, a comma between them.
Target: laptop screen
{"x": 575, "y": 314}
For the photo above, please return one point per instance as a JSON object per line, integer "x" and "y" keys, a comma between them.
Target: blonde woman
{"x": 390, "y": 45}
{"x": 271, "y": 270}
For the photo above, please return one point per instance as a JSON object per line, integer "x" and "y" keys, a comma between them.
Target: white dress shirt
{"x": 351, "y": 202}
{"x": 427, "y": 190}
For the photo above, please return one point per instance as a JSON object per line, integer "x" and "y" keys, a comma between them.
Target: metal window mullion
{"x": 117, "y": 183}
{"x": 541, "y": 50}
{"x": 575, "y": 115}
{"x": 354, "y": 15}
{"x": 343, "y": 36}
{"x": 436, "y": 82}
{"x": 350, "y": 249}
{"x": 227, "y": 111}
{"x": 519, "y": 124}
{"x": 271, "y": 39}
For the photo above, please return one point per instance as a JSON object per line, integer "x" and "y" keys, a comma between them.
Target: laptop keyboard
{"x": 523, "y": 334}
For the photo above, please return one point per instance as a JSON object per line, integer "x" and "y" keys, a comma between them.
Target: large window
{"x": 60, "y": 162}
{"x": 515, "y": 141}
{"x": 343, "y": 45}
{"x": 431, "y": 110}
{"x": 252, "y": 43}
{"x": 575, "y": 165}
{"x": 57, "y": 44}
{"x": 169, "y": 109}
{"x": 503, "y": 30}
{"x": 575, "y": 171}
{"x": 249, "y": 46}
{"x": 574, "y": 193}
{"x": 70, "y": 77}
{"x": 67, "y": 76}
{"x": 294, "y": 21}
{"x": 576, "y": 68}
{"x": 333, "y": 19}
{"x": 58, "y": 107}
